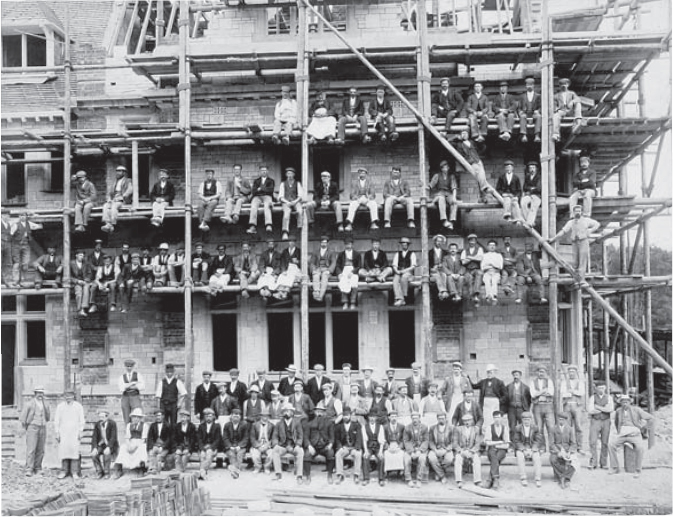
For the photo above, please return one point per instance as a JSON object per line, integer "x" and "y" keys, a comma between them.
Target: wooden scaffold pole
{"x": 185, "y": 125}
{"x": 67, "y": 280}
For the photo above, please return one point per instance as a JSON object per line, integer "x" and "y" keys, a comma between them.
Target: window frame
{"x": 20, "y": 319}
{"x": 33, "y": 32}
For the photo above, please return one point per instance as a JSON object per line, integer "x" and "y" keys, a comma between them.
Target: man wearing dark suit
{"x": 224, "y": 403}
{"x": 325, "y": 197}
{"x": 286, "y": 385}
{"x": 235, "y": 441}
{"x": 208, "y": 436}
{"x": 436, "y": 258}
{"x": 48, "y": 267}
{"x": 452, "y": 389}
{"x": 319, "y": 440}
{"x": 440, "y": 456}
{"x": 237, "y": 388}
{"x": 532, "y": 192}
{"x": 184, "y": 440}
{"x": 162, "y": 196}
{"x": 530, "y": 105}
{"x": 447, "y": 102}
{"x": 367, "y": 385}
{"x": 321, "y": 266}
{"x": 264, "y": 384}
{"x": 417, "y": 384}
{"x": 393, "y": 448}
{"x": 566, "y": 102}
{"x": 288, "y": 438}
{"x": 469, "y": 406}
{"x": 205, "y": 393}
{"x": 220, "y": 270}
{"x": 375, "y": 267}
{"x": 105, "y": 443}
{"x": 529, "y": 273}
{"x": 504, "y": 107}
{"x": 348, "y": 439}
{"x": 390, "y": 385}
{"x": 509, "y": 187}
{"x": 315, "y": 384}
{"x": 200, "y": 265}
{"x": 478, "y": 107}
{"x": 352, "y": 111}
{"x": 261, "y": 450}
{"x": 95, "y": 258}
{"x": 416, "y": 443}
{"x": 262, "y": 194}
{"x": 562, "y": 447}
{"x": 527, "y": 441}
{"x": 381, "y": 112}
{"x": 159, "y": 442}
{"x": 455, "y": 272}
{"x": 348, "y": 264}
{"x": 518, "y": 400}
{"x": 301, "y": 402}
{"x": 509, "y": 271}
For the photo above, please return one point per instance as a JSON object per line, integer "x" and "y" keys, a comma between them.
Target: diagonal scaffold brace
{"x": 644, "y": 345}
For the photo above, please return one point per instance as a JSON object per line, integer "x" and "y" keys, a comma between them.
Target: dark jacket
{"x": 187, "y": 440}
{"x": 442, "y": 104}
{"x": 167, "y": 193}
{"x": 409, "y": 381}
{"x": 532, "y": 186}
{"x": 385, "y": 107}
{"x": 264, "y": 390}
{"x": 419, "y": 440}
{"x": 341, "y": 262}
{"x": 165, "y": 439}
{"x": 528, "y": 266}
{"x": 530, "y": 107}
{"x": 224, "y": 408}
{"x": 534, "y": 441}
{"x": 285, "y": 387}
{"x": 562, "y": 440}
{"x": 394, "y": 434}
{"x": 314, "y": 390}
{"x": 368, "y": 261}
{"x": 209, "y": 439}
{"x": 203, "y": 398}
{"x": 526, "y": 399}
{"x": 319, "y": 432}
{"x": 354, "y": 435}
{"x": 241, "y": 393}
{"x": 97, "y": 439}
{"x": 332, "y": 192}
{"x": 263, "y": 190}
{"x": 498, "y": 388}
{"x": 226, "y": 263}
{"x": 358, "y": 109}
{"x": 236, "y": 437}
{"x": 280, "y": 436}
{"x": 475, "y": 411}
{"x": 513, "y": 187}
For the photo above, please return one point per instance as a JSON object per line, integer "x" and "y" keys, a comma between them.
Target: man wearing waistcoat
{"x": 130, "y": 384}
{"x": 331, "y": 404}
{"x": 209, "y": 437}
{"x": 497, "y": 443}
{"x": 104, "y": 444}
{"x": 34, "y": 419}
{"x": 373, "y": 439}
{"x": 48, "y": 267}
{"x": 171, "y": 394}
{"x": 492, "y": 394}
{"x": 471, "y": 258}
{"x": 416, "y": 443}
{"x": 319, "y": 440}
{"x": 440, "y": 456}
{"x": 519, "y": 400}
{"x": 404, "y": 264}
{"x": 584, "y": 187}
{"x": 447, "y": 103}
{"x": 161, "y": 196}
{"x": 348, "y": 439}
{"x": 205, "y": 393}
{"x": 528, "y": 440}
{"x": 159, "y": 442}
{"x": 469, "y": 406}
{"x": 291, "y": 195}
{"x": 235, "y": 440}
{"x": 572, "y": 396}
{"x": 529, "y": 273}
{"x": 314, "y": 386}
{"x": 561, "y": 449}
{"x": 21, "y": 238}
{"x": 325, "y": 197}
{"x": 321, "y": 266}
{"x": 85, "y": 197}
{"x": 209, "y": 194}
{"x": 542, "y": 393}
{"x": 396, "y": 192}
{"x": 106, "y": 283}
{"x": 630, "y": 421}
{"x": 600, "y": 407}
{"x": 380, "y": 406}
{"x": 120, "y": 193}
{"x": 288, "y": 438}
{"x": 160, "y": 266}
{"x": 362, "y": 195}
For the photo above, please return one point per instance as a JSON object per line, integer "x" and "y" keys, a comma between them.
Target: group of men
{"x": 382, "y": 426}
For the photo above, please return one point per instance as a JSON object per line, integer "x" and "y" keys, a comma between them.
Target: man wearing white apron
{"x": 452, "y": 389}
{"x": 492, "y": 394}
{"x": 69, "y": 425}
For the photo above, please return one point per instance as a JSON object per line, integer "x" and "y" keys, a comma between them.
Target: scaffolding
{"x": 609, "y": 65}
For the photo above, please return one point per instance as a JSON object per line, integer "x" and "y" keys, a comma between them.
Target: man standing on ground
{"x": 518, "y": 400}
{"x": 34, "y": 419}
{"x": 205, "y": 393}
{"x": 171, "y": 394}
{"x": 69, "y": 425}
{"x": 542, "y": 393}
{"x": 600, "y": 407}
{"x": 572, "y": 395}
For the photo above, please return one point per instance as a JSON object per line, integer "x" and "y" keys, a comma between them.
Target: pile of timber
{"x": 457, "y": 503}
{"x": 164, "y": 494}
{"x": 67, "y": 503}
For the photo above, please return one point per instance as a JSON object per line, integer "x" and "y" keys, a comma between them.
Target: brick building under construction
{"x": 191, "y": 85}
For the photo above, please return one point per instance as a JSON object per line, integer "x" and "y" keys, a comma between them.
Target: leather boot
{"x": 65, "y": 469}
{"x": 75, "y": 469}
{"x": 106, "y": 466}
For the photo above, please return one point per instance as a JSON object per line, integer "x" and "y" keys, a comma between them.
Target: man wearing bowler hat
{"x": 34, "y": 419}
{"x": 261, "y": 433}
{"x": 130, "y": 384}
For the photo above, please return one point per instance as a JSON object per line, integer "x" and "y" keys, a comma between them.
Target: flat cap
{"x": 207, "y": 372}
{"x": 508, "y": 162}
{"x": 565, "y": 80}
{"x": 458, "y": 364}
{"x": 208, "y": 411}
{"x": 443, "y": 163}
{"x": 38, "y": 388}
{"x": 129, "y": 362}
{"x": 185, "y": 412}
{"x": 472, "y": 236}
{"x": 80, "y": 174}
{"x": 284, "y": 88}
{"x": 526, "y": 414}
{"x": 405, "y": 239}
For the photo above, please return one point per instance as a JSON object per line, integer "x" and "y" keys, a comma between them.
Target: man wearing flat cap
{"x": 375, "y": 266}
{"x": 519, "y": 399}
{"x": 209, "y": 436}
{"x": 443, "y": 192}
{"x": 315, "y": 384}
{"x": 529, "y": 273}
{"x": 284, "y": 117}
{"x": 417, "y": 384}
{"x": 171, "y": 393}
{"x": 48, "y": 267}
{"x": 331, "y": 404}
{"x": 416, "y": 444}
{"x": 85, "y": 198}
{"x": 440, "y": 456}
{"x": 21, "y": 237}
{"x": 584, "y": 186}
{"x": 542, "y": 394}
{"x": 497, "y": 442}
{"x": 235, "y": 442}
{"x": 573, "y": 393}
{"x": 237, "y": 192}
{"x": 104, "y": 444}
{"x": 404, "y": 265}
{"x": 348, "y": 263}
{"x": 321, "y": 266}
{"x": 261, "y": 433}
{"x": 562, "y": 447}
{"x": 566, "y": 103}
{"x": 509, "y": 187}
{"x": 325, "y": 197}
{"x": 530, "y": 105}
{"x": 205, "y": 393}
{"x": 452, "y": 389}
{"x": 105, "y": 282}
{"x": 469, "y": 406}
{"x": 185, "y": 439}
{"x": 262, "y": 194}
{"x": 466, "y": 445}
{"x": 396, "y": 191}
{"x": 286, "y": 385}
{"x": 300, "y": 401}
{"x": 348, "y": 440}
{"x": 161, "y": 196}
{"x": 532, "y": 192}
{"x": 237, "y": 388}
{"x": 291, "y": 195}
{"x": 160, "y": 266}
{"x": 159, "y": 442}
{"x": 319, "y": 439}
{"x": 446, "y": 103}
{"x": 288, "y": 438}
{"x": 478, "y": 111}
{"x": 119, "y": 194}
{"x": 362, "y": 194}
{"x": 630, "y": 422}
{"x": 130, "y": 384}
{"x": 528, "y": 441}
{"x": 131, "y": 275}
{"x": 34, "y": 418}
{"x": 471, "y": 258}
{"x": 436, "y": 260}
{"x": 264, "y": 384}
{"x": 223, "y": 404}
{"x": 504, "y": 107}
{"x": 599, "y": 408}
